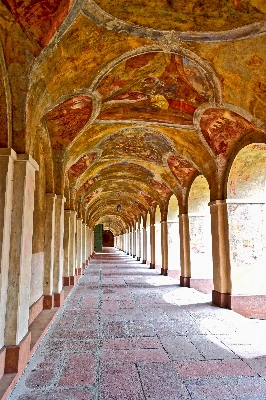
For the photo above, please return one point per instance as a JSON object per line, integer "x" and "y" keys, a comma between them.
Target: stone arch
{"x": 246, "y": 224}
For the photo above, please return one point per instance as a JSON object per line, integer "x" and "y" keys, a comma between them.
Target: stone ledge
{"x": 202, "y": 285}
{"x": 37, "y": 330}
{"x": 35, "y": 309}
{"x": 250, "y": 306}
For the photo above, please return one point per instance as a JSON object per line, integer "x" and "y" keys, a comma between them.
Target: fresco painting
{"x": 156, "y": 87}
{"x": 151, "y": 202}
{"x": 85, "y": 187}
{"x": 39, "y": 19}
{"x": 186, "y": 15}
{"x": 223, "y": 128}
{"x": 141, "y": 207}
{"x": 82, "y": 164}
{"x": 163, "y": 191}
{"x": 67, "y": 119}
{"x": 181, "y": 169}
{"x": 136, "y": 143}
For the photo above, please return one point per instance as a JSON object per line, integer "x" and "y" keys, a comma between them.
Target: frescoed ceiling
{"x": 133, "y": 99}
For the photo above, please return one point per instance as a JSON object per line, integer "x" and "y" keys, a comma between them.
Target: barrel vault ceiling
{"x": 132, "y": 100}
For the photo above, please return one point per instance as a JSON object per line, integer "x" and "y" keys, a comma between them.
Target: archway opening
{"x": 108, "y": 238}
{"x": 200, "y": 236}
{"x": 247, "y": 224}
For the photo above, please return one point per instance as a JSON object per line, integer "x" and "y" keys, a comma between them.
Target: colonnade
{"x": 31, "y": 280}
{"x": 163, "y": 234}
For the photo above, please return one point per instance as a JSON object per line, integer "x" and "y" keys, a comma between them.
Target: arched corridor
{"x": 132, "y": 132}
{"x": 126, "y": 332}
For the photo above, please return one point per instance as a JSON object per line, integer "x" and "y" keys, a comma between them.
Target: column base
{"x": 59, "y": 298}
{"x": 221, "y": 299}
{"x": 66, "y": 281}
{"x": 184, "y": 281}
{"x": 84, "y": 265}
{"x": 133, "y": 256}
{"x": 164, "y": 272}
{"x": 35, "y": 310}
{"x": 78, "y": 271}
{"x": 73, "y": 280}
{"x": 152, "y": 266}
{"x": 250, "y": 306}
{"x": 138, "y": 258}
{"x": 144, "y": 261}
{"x": 18, "y": 356}
{"x": 127, "y": 254}
{"x": 48, "y": 302}
{"x": 202, "y": 285}
{"x": 87, "y": 262}
{"x": 2, "y": 361}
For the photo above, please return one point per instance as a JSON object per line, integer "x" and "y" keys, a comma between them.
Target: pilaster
{"x": 18, "y": 294}
{"x": 7, "y": 159}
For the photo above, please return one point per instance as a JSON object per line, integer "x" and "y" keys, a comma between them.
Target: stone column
{"x": 72, "y": 248}
{"x": 7, "y": 159}
{"x": 138, "y": 238}
{"x": 92, "y": 242}
{"x": 131, "y": 241}
{"x": 134, "y": 238}
{"x": 88, "y": 245}
{"x": 152, "y": 237}
{"x": 17, "y": 338}
{"x": 66, "y": 246}
{"x": 84, "y": 245}
{"x": 48, "y": 299}
{"x": 79, "y": 247}
{"x": 164, "y": 242}
{"x": 184, "y": 250}
{"x": 144, "y": 241}
{"x": 58, "y": 251}
{"x": 128, "y": 241}
{"x": 220, "y": 253}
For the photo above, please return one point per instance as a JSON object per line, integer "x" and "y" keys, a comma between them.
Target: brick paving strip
{"x": 126, "y": 332}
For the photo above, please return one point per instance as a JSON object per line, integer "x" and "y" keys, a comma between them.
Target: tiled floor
{"x": 125, "y": 332}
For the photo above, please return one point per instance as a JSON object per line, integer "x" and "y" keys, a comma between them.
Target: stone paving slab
{"x": 126, "y": 332}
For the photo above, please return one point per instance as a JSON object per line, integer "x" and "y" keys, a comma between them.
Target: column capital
{"x": 29, "y": 158}
{"x": 8, "y": 152}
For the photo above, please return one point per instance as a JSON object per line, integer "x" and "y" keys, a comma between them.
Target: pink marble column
{"x": 220, "y": 253}
{"x": 164, "y": 239}
{"x": 144, "y": 241}
{"x": 152, "y": 237}
{"x": 184, "y": 250}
